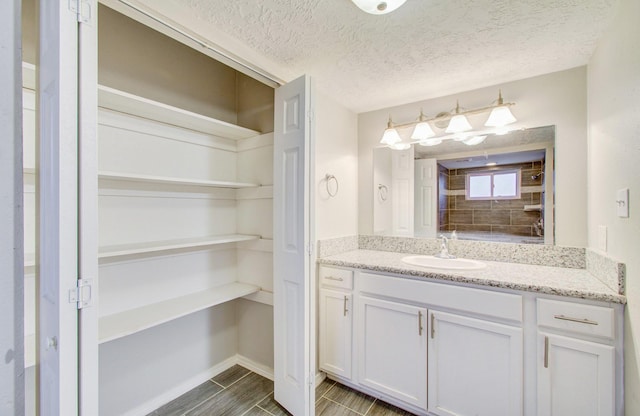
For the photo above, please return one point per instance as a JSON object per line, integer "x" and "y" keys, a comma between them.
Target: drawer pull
{"x": 581, "y": 321}
{"x": 420, "y": 323}
{"x": 337, "y": 279}
{"x": 345, "y": 310}
{"x": 546, "y": 352}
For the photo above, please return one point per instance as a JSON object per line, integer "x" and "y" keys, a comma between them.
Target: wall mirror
{"x": 500, "y": 189}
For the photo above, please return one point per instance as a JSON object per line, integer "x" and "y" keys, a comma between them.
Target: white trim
{"x": 260, "y": 369}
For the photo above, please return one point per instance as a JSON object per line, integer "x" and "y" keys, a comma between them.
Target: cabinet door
{"x": 392, "y": 349}
{"x": 475, "y": 366}
{"x": 575, "y": 377}
{"x": 336, "y": 325}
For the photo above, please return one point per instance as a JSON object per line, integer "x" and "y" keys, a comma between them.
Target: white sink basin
{"x": 439, "y": 263}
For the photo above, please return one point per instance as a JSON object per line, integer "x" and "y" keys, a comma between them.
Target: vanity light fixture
{"x": 455, "y": 124}
{"x": 378, "y": 6}
{"x": 423, "y": 130}
{"x": 390, "y": 136}
{"x": 474, "y": 140}
{"x": 500, "y": 115}
{"x": 400, "y": 146}
{"x": 458, "y": 122}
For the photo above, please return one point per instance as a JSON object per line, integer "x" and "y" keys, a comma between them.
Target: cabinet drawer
{"x": 576, "y": 317}
{"x": 332, "y": 277}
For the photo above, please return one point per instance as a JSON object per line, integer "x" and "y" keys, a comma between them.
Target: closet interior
{"x": 185, "y": 173}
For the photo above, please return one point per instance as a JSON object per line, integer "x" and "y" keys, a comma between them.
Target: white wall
{"x": 553, "y": 99}
{"x": 614, "y": 162}
{"x": 11, "y": 297}
{"x": 336, "y": 151}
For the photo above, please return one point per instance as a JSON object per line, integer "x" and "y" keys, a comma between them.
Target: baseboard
{"x": 177, "y": 391}
{"x": 254, "y": 366}
{"x": 320, "y": 376}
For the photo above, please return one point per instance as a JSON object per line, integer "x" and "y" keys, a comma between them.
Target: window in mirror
{"x": 493, "y": 185}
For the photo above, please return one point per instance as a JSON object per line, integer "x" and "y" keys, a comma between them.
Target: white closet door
{"x": 59, "y": 121}
{"x": 291, "y": 253}
{"x": 88, "y": 204}
{"x": 402, "y": 191}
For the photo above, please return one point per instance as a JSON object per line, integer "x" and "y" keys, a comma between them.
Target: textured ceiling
{"x": 425, "y": 49}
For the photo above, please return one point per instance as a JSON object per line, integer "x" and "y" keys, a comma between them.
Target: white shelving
{"x": 133, "y": 177}
{"x": 129, "y": 322}
{"x": 110, "y": 252}
{"x": 124, "y": 102}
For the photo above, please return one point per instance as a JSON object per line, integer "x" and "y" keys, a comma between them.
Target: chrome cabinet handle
{"x": 546, "y": 352}
{"x": 345, "y": 310}
{"x": 579, "y": 320}
{"x": 337, "y": 279}
{"x": 420, "y": 323}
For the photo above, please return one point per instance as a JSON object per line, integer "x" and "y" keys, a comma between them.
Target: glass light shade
{"x": 472, "y": 141}
{"x": 378, "y": 6}
{"x": 399, "y": 146}
{"x": 499, "y": 117}
{"x": 458, "y": 124}
{"x": 390, "y": 136}
{"x": 430, "y": 142}
{"x": 422, "y": 131}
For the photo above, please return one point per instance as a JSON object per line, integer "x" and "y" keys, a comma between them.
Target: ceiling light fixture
{"x": 456, "y": 126}
{"x": 378, "y": 6}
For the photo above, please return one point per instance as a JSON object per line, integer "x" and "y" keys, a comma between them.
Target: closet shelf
{"x": 124, "y": 102}
{"x": 110, "y": 252}
{"x": 121, "y": 324}
{"x": 134, "y": 177}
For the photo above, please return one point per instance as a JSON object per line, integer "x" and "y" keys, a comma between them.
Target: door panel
{"x": 291, "y": 258}
{"x": 58, "y": 244}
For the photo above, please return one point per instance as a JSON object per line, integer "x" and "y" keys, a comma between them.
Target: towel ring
{"x": 382, "y": 191}
{"x": 329, "y": 178}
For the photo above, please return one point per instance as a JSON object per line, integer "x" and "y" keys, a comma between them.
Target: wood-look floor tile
{"x": 326, "y": 407}
{"x": 323, "y": 387}
{"x": 256, "y": 411}
{"x": 230, "y": 376}
{"x": 236, "y": 399}
{"x": 350, "y": 398}
{"x": 272, "y": 406}
{"x": 385, "y": 409}
{"x": 188, "y": 401}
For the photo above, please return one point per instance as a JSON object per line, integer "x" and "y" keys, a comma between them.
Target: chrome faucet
{"x": 444, "y": 248}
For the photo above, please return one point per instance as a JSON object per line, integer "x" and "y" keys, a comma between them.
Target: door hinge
{"x": 310, "y": 115}
{"x": 82, "y": 9}
{"x": 81, "y": 294}
{"x": 309, "y": 249}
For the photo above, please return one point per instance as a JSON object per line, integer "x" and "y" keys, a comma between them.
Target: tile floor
{"x": 240, "y": 392}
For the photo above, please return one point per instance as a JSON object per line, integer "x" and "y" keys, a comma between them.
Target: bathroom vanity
{"x": 506, "y": 339}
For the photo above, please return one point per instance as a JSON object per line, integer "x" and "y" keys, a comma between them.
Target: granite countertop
{"x": 577, "y": 283}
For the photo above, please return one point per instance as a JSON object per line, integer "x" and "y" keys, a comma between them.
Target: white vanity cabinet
{"x": 392, "y": 349}
{"x": 336, "y": 321}
{"x": 474, "y": 366}
{"x": 576, "y": 370}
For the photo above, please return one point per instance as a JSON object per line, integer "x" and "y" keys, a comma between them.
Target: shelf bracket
{"x": 81, "y": 294}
